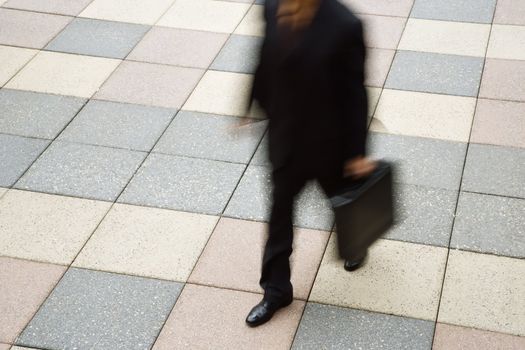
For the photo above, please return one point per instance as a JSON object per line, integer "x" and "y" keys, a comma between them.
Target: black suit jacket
{"x": 312, "y": 88}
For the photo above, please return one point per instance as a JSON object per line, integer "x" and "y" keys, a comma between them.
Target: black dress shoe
{"x": 352, "y": 265}
{"x": 263, "y": 312}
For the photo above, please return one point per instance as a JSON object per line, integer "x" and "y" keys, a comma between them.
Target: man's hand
{"x": 359, "y": 167}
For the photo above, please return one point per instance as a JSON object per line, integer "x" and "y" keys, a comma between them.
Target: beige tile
{"x": 499, "y": 123}
{"x": 484, "y": 292}
{"x": 221, "y": 93}
{"x": 503, "y": 80}
{"x": 510, "y": 12}
{"x": 47, "y": 228}
{"x": 449, "y": 337}
{"x": 205, "y": 316}
{"x": 11, "y": 60}
{"x": 213, "y": 16}
{"x": 133, "y": 11}
{"x": 2, "y": 191}
{"x": 426, "y": 115}
{"x": 398, "y": 278}
{"x": 64, "y": 74}
{"x": 253, "y": 22}
{"x": 62, "y": 7}
{"x": 238, "y": 245}
{"x": 378, "y": 64}
{"x": 5, "y": 346}
{"x": 148, "y": 242}
{"x": 24, "y": 285}
{"x": 373, "y": 99}
{"x": 399, "y": 8}
{"x": 456, "y": 38}
{"x": 382, "y": 32}
{"x": 507, "y": 42}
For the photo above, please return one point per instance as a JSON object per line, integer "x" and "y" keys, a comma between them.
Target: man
{"x": 310, "y": 83}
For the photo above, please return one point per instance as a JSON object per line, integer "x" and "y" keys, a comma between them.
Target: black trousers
{"x": 288, "y": 181}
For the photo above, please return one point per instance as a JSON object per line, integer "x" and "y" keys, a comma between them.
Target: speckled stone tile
{"x": 131, "y": 11}
{"x": 221, "y": 93}
{"x": 119, "y": 125}
{"x": 82, "y": 170}
{"x": 149, "y": 242}
{"x": 5, "y": 346}
{"x": 16, "y": 155}
{"x": 24, "y": 285}
{"x": 12, "y": 59}
{"x": 485, "y": 292}
{"x": 331, "y": 327}
{"x": 188, "y": 184}
{"x": 490, "y": 224}
{"x": 98, "y": 310}
{"x": 399, "y": 8}
{"x": 373, "y": 100}
{"x": 503, "y": 80}
{"x": 212, "y": 137}
{"x": 459, "y": 338}
{"x": 240, "y": 54}
{"x": 398, "y": 278}
{"x": 239, "y": 245}
{"x": 468, "y": 39}
{"x": 261, "y": 156}
{"x": 179, "y": 47}
{"x": 64, "y": 74}
{"x": 213, "y": 16}
{"x": 480, "y": 11}
{"x": 499, "y": 123}
{"x": 253, "y": 22}
{"x": 98, "y": 38}
{"x": 47, "y": 228}
{"x": 2, "y": 191}
{"x": 510, "y": 12}
{"x": 377, "y": 66}
{"x": 252, "y": 200}
{"x": 423, "y": 215}
{"x": 29, "y": 29}
{"x": 435, "y": 73}
{"x": 507, "y": 42}
{"x": 421, "y": 114}
{"x": 204, "y": 316}
{"x": 415, "y": 159}
{"x": 150, "y": 84}
{"x": 495, "y": 170}
{"x": 382, "y": 32}
{"x": 36, "y": 115}
{"x": 61, "y": 7}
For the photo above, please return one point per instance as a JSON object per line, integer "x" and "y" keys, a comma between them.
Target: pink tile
{"x": 499, "y": 123}
{"x": 179, "y": 47}
{"x": 29, "y": 29}
{"x": 503, "y": 80}
{"x": 238, "y": 246}
{"x": 24, "y": 285}
{"x": 377, "y": 66}
{"x": 63, "y": 7}
{"x": 458, "y": 338}
{"x": 399, "y": 8}
{"x": 150, "y": 84}
{"x": 510, "y": 12}
{"x": 383, "y": 32}
{"x": 205, "y": 316}
{"x": 4, "y": 347}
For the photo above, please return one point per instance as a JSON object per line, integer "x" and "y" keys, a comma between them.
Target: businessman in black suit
{"x": 310, "y": 83}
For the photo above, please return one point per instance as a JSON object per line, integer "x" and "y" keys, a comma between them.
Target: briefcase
{"x": 364, "y": 211}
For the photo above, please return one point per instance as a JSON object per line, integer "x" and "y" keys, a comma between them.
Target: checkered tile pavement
{"x": 131, "y": 217}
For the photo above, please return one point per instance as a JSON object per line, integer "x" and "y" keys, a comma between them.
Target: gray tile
{"x": 495, "y": 170}
{"x": 252, "y": 200}
{"x": 82, "y": 171}
{"x": 36, "y": 115}
{"x": 98, "y": 310}
{"x": 421, "y": 161}
{"x": 98, "y": 38}
{"x": 211, "y": 136}
{"x": 239, "y": 54}
{"x": 331, "y": 327}
{"x": 120, "y": 125}
{"x": 423, "y": 215}
{"x": 479, "y": 11}
{"x": 490, "y": 224}
{"x": 16, "y": 155}
{"x": 261, "y": 156}
{"x": 189, "y": 184}
{"x": 435, "y": 73}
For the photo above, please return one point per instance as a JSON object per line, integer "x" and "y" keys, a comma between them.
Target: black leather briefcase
{"x": 364, "y": 211}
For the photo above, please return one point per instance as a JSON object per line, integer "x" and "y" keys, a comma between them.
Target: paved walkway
{"x": 131, "y": 217}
